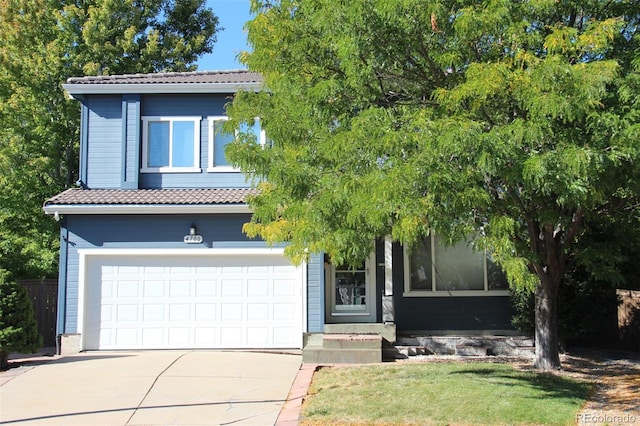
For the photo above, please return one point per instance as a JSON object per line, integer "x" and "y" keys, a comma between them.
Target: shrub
{"x": 18, "y": 330}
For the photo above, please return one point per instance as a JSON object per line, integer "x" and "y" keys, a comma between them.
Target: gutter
{"x": 78, "y": 90}
{"x": 61, "y": 209}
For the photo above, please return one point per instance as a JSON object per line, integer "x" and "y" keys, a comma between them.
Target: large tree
{"x": 42, "y": 43}
{"x": 511, "y": 122}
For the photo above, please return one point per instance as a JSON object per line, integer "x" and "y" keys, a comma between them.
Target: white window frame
{"x": 434, "y": 292}
{"x": 170, "y": 169}
{"x": 211, "y": 165}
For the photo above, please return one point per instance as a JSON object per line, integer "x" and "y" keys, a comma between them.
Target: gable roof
{"x": 149, "y": 201}
{"x": 229, "y": 81}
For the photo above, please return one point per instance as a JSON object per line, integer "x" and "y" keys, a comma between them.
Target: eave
{"x": 153, "y": 209}
{"x": 77, "y": 91}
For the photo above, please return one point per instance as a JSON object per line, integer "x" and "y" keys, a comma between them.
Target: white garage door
{"x": 175, "y": 302}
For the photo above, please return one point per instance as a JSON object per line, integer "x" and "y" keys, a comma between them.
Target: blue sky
{"x": 232, "y": 15}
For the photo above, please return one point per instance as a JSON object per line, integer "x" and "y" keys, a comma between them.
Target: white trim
{"x": 222, "y": 169}
{"x": 211, "y": 165}
{"x": 82, "y": 283}
{"x": 144, "y": 208}
{"x": 171, "y": 119}
{"x": 453, "y": 293}
{"x": 74, "y": 89}
{"x": 408, "y": 292}
{"x": 388, "y": 266}
{"x": 272, "y": 251}
{"x": 368, "y": 314}
{"x": 84, "y": 254}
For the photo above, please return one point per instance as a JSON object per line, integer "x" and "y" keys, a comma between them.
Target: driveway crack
{"x": 153, "y": 384}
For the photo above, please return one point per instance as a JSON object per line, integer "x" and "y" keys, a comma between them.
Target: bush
{"x": 587, "y": 312}
{"x": 18, "y": 330}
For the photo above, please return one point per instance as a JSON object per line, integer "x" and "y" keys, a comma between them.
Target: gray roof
{"x": 199, "y": 77}
{"x": 203, "y": 196}
{"x": 229, "y": 81}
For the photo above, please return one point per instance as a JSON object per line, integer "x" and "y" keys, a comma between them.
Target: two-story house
{"x": 153, "y": 255}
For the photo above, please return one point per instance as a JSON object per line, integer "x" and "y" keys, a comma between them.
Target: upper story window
{"x": 219, "y": 139}
{"x": 433, "y": 269}
{"x": 171, "y": 144}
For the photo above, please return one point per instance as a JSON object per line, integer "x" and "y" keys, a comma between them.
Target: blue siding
{"x": 143, "y": 231}
{"x": 419, "y": 314}
{"x": 62, "y": 279}
{"x": 188, "y": 105}
{"x": 112, "y": 144}
{"x": 193, "y": 180}
{"x": 315, "y": 293}
{"x": 84, "y": 138}
{"x": 131, "y": 141}
{"x": 104, "y": 154}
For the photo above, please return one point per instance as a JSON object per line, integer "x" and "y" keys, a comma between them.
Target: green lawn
{"x": 441, "y": 394}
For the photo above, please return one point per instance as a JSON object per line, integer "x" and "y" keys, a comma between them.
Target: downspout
{"x": 84, "y": 151}
{"x": 62, "y": 284}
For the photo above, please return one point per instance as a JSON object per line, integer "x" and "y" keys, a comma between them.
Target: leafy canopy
{"x": 42, "y": 43}
{"x": 516, "y": 120}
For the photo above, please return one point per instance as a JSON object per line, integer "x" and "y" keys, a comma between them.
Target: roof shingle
{"x": 202, "y": 196}
{"x": 203, "y": 77}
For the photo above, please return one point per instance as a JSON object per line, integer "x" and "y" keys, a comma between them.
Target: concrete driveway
{"x": 151, "y": 388}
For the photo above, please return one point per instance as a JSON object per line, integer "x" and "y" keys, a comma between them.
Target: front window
{"x": 432, "y": 269}
{"x": 171, "y": 144}
{"x": 219, "y": 139}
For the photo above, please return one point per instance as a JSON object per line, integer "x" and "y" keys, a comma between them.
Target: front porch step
{"x": 387, "y": 331}
{"x": 318, "y": 355}
{"x": 352, "y": 341}
{"x": 343, "y": 348}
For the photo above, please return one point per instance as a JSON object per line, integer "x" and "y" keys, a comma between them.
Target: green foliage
{"x": 18, "y": 330}
{"x": 393, "y": 117}
{"x": 42, "y": 43}
{"x": 609, "y": 258}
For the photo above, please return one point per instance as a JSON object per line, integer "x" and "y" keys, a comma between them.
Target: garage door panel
{"x": 177, "y": 302}
{"x": 206, "y": 288}
{"x": 281, "y": 335}
{"x": 231, "y": 336}
{"x": 257, "y": 288}
{"x": 282, "y": 287}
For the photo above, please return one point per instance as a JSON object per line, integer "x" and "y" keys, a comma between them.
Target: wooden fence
{"x": 629, "y": 318}
{"x": 44, "y": 295}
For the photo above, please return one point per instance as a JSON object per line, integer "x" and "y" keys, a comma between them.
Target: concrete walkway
{"x": 150, "y": 388}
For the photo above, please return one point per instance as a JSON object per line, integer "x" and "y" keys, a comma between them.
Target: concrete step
{"x": 341, "y": 356}
{"x": 387, "y": 331}
{"x": 352, "y": 341}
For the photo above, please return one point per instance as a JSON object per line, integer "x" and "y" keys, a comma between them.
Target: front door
{"x": 350, "y": 293}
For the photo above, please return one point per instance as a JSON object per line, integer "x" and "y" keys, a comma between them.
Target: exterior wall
{"x": 315, "y": 293}
{"x": 147, "y": 231}
{"x": 113, "y": 141}
{"x": 104, "y": 150}
{"x": 131, "y": 141}
{"x": 449, "y": 313}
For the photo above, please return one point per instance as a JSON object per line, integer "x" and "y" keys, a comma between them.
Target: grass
{"x": 441, "y": 394}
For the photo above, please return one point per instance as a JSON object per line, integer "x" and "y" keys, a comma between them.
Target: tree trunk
{"x": 546, "y": 333}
